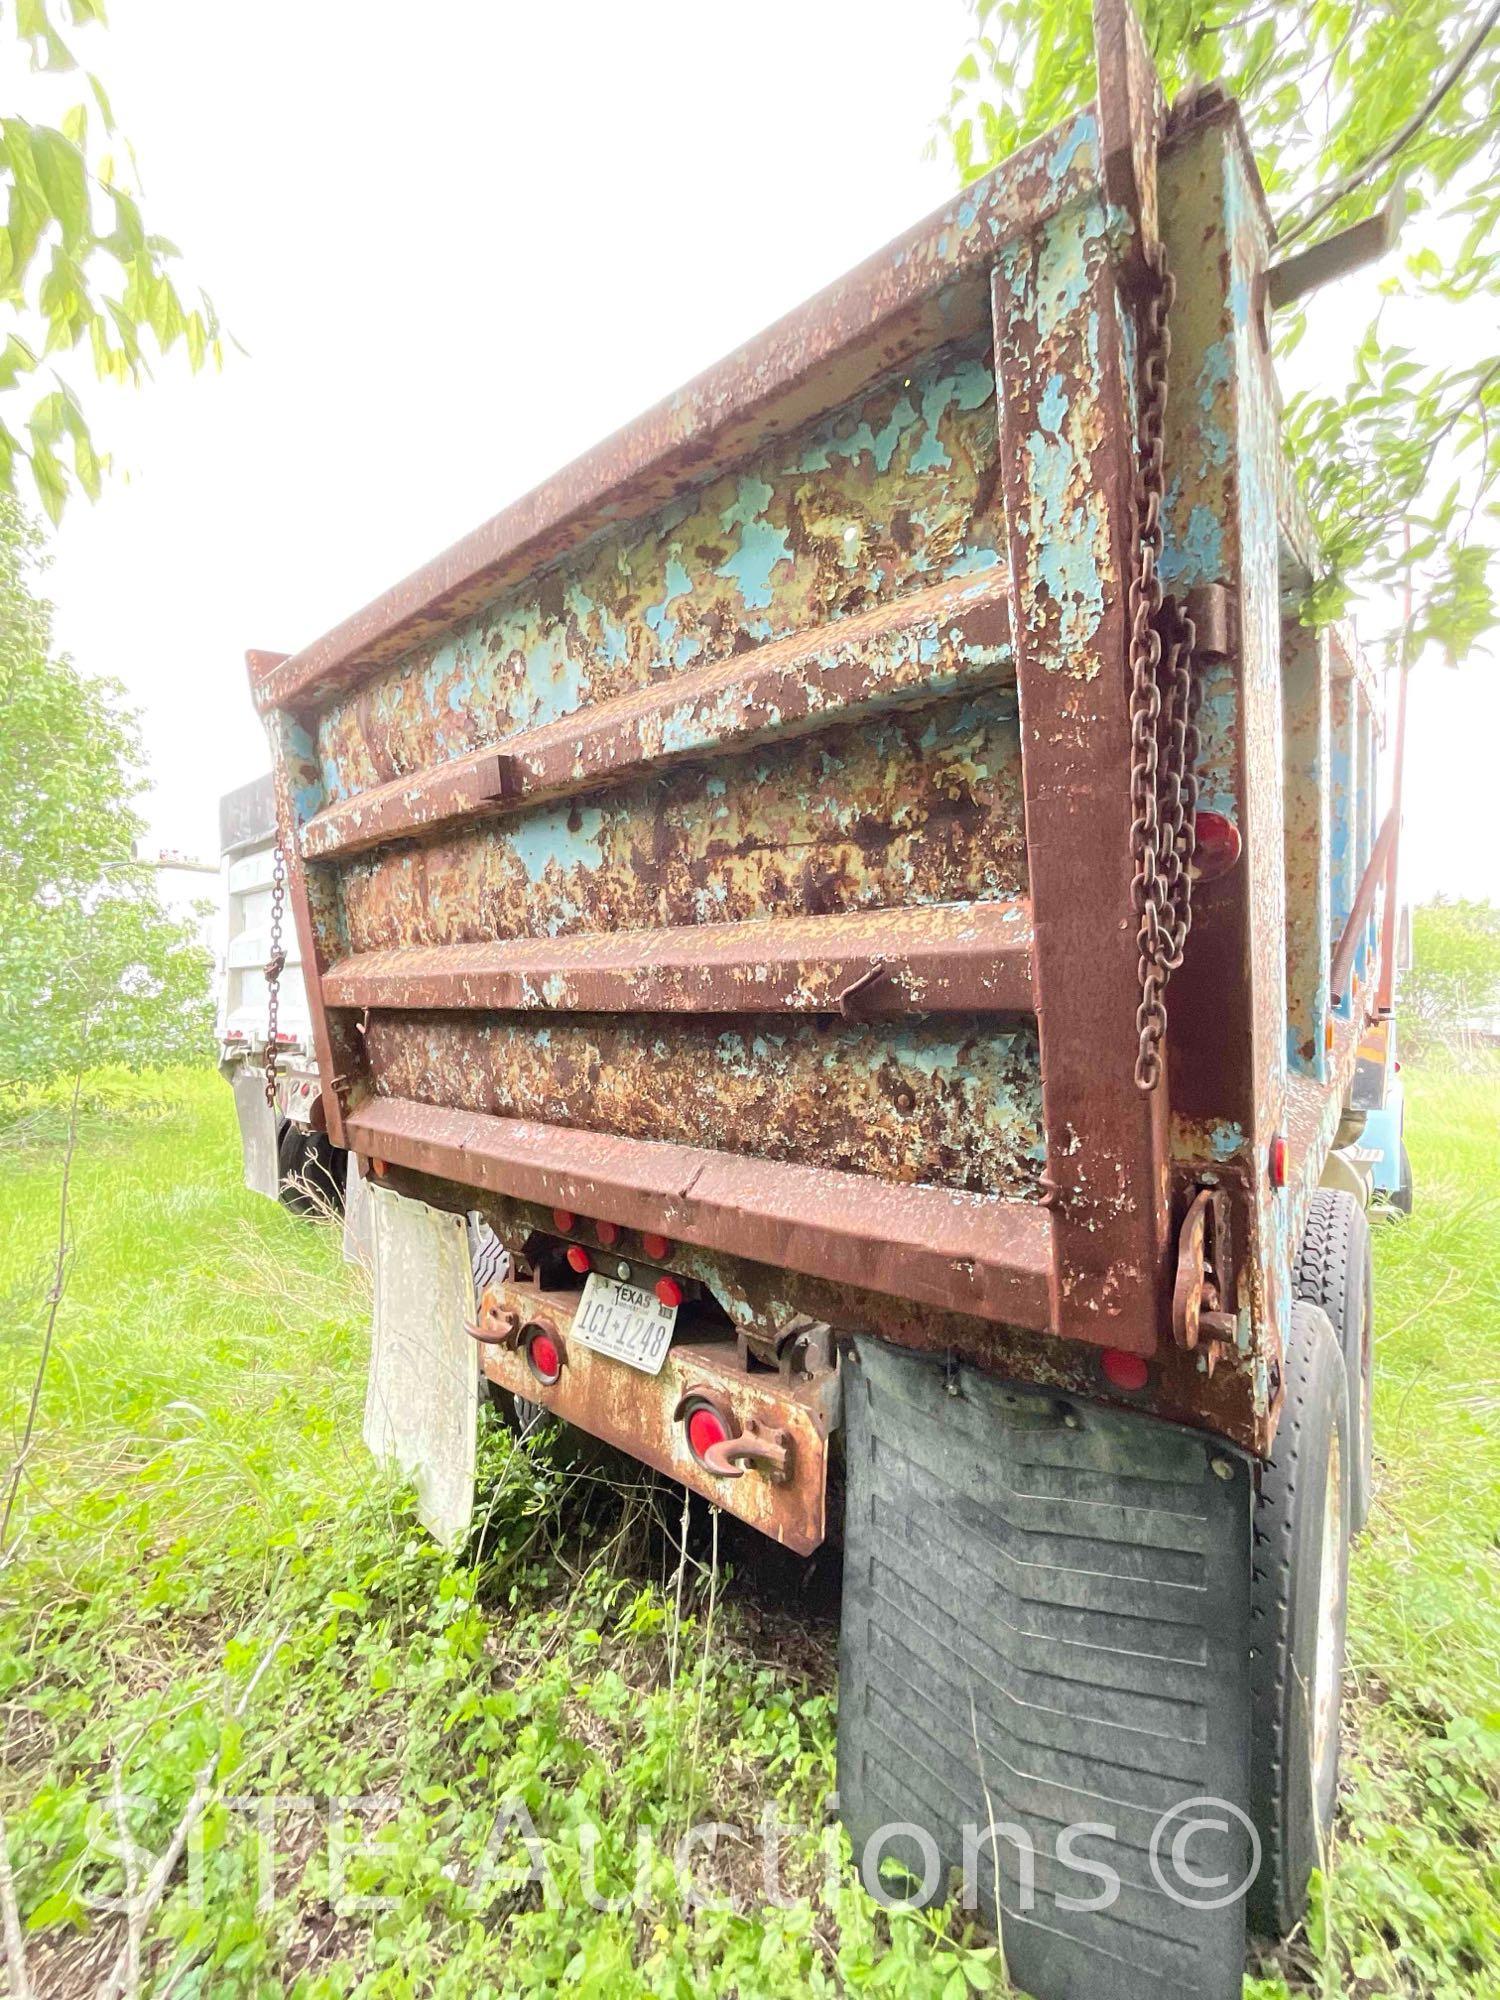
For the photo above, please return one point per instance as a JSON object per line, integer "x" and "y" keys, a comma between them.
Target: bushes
{"x": 1450, "y": 998}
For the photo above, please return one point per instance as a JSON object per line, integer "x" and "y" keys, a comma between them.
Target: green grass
{"x": 198, "y": 1510}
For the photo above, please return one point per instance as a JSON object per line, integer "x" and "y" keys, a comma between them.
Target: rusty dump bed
{"x": 731, "y": 838}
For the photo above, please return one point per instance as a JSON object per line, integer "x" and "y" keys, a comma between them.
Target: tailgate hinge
{"x": 1205, "y": 1267}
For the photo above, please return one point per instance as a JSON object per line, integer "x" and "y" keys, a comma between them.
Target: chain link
{"x": 1163, "y": 710}
{"x": 277, "y": 960}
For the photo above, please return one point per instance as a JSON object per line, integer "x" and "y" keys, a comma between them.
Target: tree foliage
{"x": 80, "y": 274}
{"x": 1341, "y": 98}
{"x": 93, "y": 969}
{"x": 1452, "y": 987}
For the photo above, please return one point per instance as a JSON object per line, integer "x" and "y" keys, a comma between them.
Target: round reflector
{"x": 578, "y": 1257}
{"x": 669, "y": 1291}
{"x": 546, "y": 1361}
{"x": 1125, "y": 1371}
{"x": 1278, "y": 1160}
{"x": 705, "y": 1428}
{"x": 655, "y": 1247}
{"x": 1217, "y": 848}
{"x": 563, "y": 1220}
{"x": 608, "y": 1233}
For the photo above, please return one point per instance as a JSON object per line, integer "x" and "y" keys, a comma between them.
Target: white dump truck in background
{"x": 287, "y": 1154}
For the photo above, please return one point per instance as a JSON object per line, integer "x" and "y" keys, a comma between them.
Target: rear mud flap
{"x": 421, "y": 1406}
{"x": 258, "y": 1133}
{"x": 1046, "y": 1632}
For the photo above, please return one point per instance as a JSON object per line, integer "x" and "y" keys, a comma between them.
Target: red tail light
{"x": 563, "y": 1220}
{"x": 669, "y": 1291}
{"x": 608, "y": 1233}
{"x": 1277, "y": 1163}
{"x": 1124, "y": 1371}
{"x": 656, "y": 1247}
{"x": 705, "y": 1428}
{"x": 1217, "y": 847}
{"x": 545, "y": 1356}
{"x": 579, "y": 1258}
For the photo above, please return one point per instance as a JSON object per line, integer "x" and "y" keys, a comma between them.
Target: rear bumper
{"x": 796, "y": 1412}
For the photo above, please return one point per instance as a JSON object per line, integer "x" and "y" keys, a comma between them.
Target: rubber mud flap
{"x": 1046, "y": 1630}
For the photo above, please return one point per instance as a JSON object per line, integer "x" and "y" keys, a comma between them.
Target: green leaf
{"x": 51, "y": 480}
{"x": 63, "y": 179}
{"x": 16, "y": 359}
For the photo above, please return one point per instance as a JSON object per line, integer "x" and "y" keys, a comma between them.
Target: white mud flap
{"x": 358, "y": 1247}
{"x": 422, "y": 1402}
{"x": 257, "y": 1130}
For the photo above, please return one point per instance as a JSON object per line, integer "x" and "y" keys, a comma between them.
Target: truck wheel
{"x": 1298, "y": 1609}
{"x": 1334, "y": 1271}
{"x": 309, "y": 1172}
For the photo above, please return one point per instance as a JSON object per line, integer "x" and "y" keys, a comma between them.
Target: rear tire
{"x": 309, "y": 1172}
{"x": 1299, "y": 1603}
{"x": 1334, "y": 1271}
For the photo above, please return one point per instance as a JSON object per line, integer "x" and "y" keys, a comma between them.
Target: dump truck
{"x": 278, "y": 1095}
{"x": 839, "y": 930}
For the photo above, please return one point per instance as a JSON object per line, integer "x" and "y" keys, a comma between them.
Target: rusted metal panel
{"x": 927, "y": 288}
{"x": 980, "y": 1254}
{"x": 908, "y": 809}
{"x": 953, "y": 1103}
{"x": 945, "y": 958}
{"x": 1305, "y": 696}
{"x": 1068, "y": 451}
{"x": 880, "y": 498}
{"x": 946, "y": 640}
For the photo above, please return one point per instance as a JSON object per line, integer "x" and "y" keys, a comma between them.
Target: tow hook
{"x": 727, "y": 1450}
{"x": 497, "y": 1325}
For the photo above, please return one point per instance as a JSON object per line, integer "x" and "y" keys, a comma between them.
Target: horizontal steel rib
{"x": 977, "y": 1254}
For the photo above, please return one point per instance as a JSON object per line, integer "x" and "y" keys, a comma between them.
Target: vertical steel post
{"x": 1228, "y": 1008}
{"x": 1343, "y": 790}
{"x": 1067, "y": 450}
{"x": 295, "y": 769}
{"x": 1305, "y": 715}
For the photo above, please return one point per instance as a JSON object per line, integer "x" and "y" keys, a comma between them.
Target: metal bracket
{"x": 1346, "y": 250}
{"x": 1204, "y": 1262}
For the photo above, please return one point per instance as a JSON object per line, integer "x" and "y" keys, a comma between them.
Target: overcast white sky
{"x": 461, "y": 242}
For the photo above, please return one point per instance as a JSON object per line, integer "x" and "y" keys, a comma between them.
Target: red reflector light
{"x": 669, "y": 1291}
{"x": 1217, "y": 847}
{"x": 705, "y": 1428}
{"x": 608, "y": 1233}
{"x": 578, "y": 1257}
{"x": 546, "y": 1361}
{"x": 1278, "y": 1161}
{"x": 563, "y": 1220}
{"x": 655, "y": 1247}
{"x": 1125, "y": 1371}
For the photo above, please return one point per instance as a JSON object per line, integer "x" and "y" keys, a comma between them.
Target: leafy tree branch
{"x": 1344, "y": 97}
{"x": 80, "y": 273}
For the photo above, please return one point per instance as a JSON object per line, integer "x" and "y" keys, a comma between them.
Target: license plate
{"x": 625, "y": 1323}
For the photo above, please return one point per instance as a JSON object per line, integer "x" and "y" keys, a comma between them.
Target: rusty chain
{"x": 276, "y": 963}
{"x": 1163, "y": 709}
